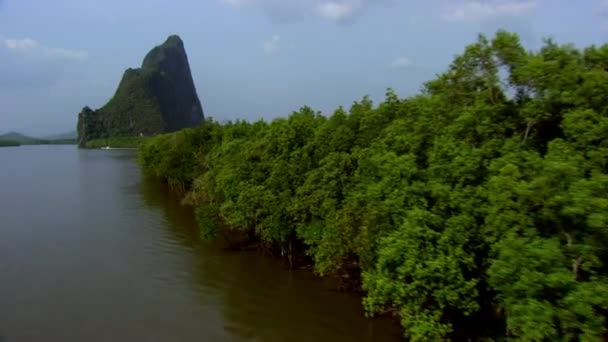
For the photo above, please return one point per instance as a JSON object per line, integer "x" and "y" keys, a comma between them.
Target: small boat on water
{"x": 106, "y": 148}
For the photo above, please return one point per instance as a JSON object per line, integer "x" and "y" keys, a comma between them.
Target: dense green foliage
{"x": 158, "y": 97}
{"x": 476, "y": 209}
{"x": 117, "y": 142}
{"x": 6, "y": 143}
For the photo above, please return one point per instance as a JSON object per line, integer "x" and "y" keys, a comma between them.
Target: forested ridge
{"x": 17, "y": 139}
{"x": 477, "y": 209}
{"x": 9, "y": 143}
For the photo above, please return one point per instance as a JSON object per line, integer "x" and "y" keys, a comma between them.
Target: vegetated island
{"x": 157, "y": 98}
{"x": 9, "y": 143}
{"x": 476, "y": 210}
{"x": 17, "y": 139}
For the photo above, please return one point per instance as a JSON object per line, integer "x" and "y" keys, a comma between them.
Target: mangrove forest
{"x": 474, "y": 210}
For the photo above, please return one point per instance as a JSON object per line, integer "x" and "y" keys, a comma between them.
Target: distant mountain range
{"x": 22, "y": 139}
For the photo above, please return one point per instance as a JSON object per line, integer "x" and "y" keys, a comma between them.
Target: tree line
{"x": 9, "y": 143}
{"x": 476, "y": 209}
{"x": 116, "y": 142}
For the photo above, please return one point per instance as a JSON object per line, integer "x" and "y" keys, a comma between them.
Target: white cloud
{"x": 479, "y": 10}
{"x": 20, "y": 44}
{"x": 238, "y": 3}
{"x": 271, "y": 46}
{"x": 332, "y": 10}
{"x": 338, "y": 10}
{"x": 401, "y": 62}
{"x": 32, "y": 47}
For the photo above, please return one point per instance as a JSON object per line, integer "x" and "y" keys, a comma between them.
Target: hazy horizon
{"x": 255, "y": 58}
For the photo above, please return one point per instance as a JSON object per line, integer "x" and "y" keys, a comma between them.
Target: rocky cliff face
{"x": 157, "y": 98}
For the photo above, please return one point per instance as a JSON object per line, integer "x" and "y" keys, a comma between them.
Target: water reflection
{"x": 262, "y": 300}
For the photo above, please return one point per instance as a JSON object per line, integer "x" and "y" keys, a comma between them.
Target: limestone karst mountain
{"x": 157, "y": 98}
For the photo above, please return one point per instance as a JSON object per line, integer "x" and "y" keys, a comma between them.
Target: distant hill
{"x": 23, "y": 139}
{"x": 158, "y": 97}
{"x": 20, "y": 138}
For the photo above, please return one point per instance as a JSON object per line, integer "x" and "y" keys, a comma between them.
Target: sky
{"x": 254, "y": 59}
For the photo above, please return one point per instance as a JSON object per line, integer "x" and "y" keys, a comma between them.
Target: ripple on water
{"x": 95, "y": 252}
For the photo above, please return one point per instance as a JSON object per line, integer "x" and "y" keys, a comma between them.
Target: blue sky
{"x": 255, "y": 58}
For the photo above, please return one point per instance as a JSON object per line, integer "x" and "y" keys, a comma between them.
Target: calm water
{"x": 92, "y": 251}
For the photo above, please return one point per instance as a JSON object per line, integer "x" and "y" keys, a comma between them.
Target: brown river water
{"x": 90, "y": 250}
